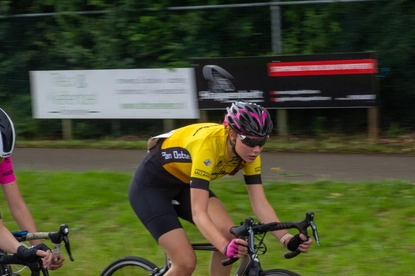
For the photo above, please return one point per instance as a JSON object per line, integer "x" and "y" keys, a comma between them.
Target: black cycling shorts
{"x": 151, "y": 198}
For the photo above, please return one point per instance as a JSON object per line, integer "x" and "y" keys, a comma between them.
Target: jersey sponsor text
{"x": 175, "y": 155}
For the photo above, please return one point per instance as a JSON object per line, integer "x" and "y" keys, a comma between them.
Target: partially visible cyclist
{"x": 15, "y": 201}
{"x": 181, "y": 164}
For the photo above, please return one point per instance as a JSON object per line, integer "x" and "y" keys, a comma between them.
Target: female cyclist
{"x": 179, "y": 166}
{"x": 17, "y": 205}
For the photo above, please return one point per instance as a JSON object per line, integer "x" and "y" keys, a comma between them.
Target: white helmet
{"x": 7, "y": 135}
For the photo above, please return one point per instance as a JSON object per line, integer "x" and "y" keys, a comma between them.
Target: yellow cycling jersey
{"x": 200, "y": 151}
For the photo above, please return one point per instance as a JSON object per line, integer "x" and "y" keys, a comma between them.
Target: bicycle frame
{"x": 249, "y": 264}
{"x": 249, "y": 230}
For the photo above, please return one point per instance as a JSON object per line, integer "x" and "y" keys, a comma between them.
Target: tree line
{"x": 129, "y": 34}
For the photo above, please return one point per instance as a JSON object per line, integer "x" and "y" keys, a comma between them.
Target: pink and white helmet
{"x": 248, "y": 118}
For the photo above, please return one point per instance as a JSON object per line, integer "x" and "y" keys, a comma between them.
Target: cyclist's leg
{"x": 219, "y": 216}
{"x": 182, "y": 256}
{"x": 223, "y": 222}
{"x": 151, "y": 198}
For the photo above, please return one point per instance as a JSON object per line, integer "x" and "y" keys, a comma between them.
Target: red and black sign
{"x": 281, "y": 82}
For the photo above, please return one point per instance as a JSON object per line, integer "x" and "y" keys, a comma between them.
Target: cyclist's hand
{"x": 299, "y": 242}
{"x": 33, "y": 253}
{"x": 57, "y": 262}
{"x": 47, "y": 257}
{"x": 237, "y": 248}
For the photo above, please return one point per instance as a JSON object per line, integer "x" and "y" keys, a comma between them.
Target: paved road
{"x": 293, "y": 167}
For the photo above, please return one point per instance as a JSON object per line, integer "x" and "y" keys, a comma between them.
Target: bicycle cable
{"x": 261, "y": 247}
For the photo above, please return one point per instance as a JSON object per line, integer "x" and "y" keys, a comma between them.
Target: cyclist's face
{"x": 249, "y": 147}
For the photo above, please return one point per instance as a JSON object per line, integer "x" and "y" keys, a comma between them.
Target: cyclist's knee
{"x": 183, "y": 267}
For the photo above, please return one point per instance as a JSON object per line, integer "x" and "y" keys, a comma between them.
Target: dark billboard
{"x": 343, "y": 80}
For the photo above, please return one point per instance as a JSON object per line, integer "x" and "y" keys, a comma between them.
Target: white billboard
{"x": 114, "y": 94}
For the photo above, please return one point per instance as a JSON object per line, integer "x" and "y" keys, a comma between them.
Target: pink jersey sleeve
{"x": 6, "y": 171}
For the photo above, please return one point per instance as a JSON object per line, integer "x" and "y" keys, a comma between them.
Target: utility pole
{"x": 281, "y": 114}
{"x": 276, "y": 27}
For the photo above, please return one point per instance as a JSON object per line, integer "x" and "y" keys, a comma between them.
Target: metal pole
{"x": 281, "y": 114}
{"x": 276, "y": 28}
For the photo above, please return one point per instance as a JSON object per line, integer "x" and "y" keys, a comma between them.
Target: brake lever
{"x": 315, "y": 233}
{"x": 36, "y": 267}
{"x": 68, "y": 248}
{"x": 45, "y": 271}
{"x": 310, "y": 222}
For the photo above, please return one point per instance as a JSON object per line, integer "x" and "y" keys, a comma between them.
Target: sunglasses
{"x": 252, "y": 142}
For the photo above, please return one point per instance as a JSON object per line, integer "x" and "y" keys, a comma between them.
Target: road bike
{"x": 6, "y": 268}
{"x": 253, "y": 232}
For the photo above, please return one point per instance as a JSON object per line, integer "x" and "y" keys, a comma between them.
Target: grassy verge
{"x": 365, "y": 228}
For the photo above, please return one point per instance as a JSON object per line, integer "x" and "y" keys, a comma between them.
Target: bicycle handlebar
{"x": 55, "y": 237}
{"x": 249, "y": 227}
{"x": 35, "y": 267}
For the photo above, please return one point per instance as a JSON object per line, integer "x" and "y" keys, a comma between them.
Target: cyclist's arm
{"x": 15, "y": 201}
{"x": 25, "y": 221}
{"x": 19, "y": 209}
{"x": 203, "y": 164}
{"x": 259, "y": 202}
{"x": 262, "y": 208}
{"x": 199, "y": 201}
{"x": 8, "y": 242}
{"x": 266, "y": 213}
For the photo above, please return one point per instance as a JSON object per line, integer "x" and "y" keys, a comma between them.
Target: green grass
{"x": 365, "y": 228}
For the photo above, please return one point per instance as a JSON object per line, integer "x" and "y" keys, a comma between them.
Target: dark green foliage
{"x": 143, "y": 34}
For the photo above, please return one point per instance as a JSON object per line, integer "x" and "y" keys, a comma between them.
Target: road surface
{"x": 284, "y": 167}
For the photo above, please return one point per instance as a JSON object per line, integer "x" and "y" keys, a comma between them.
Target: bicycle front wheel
{"x": 278, "y": 272}
{"x": 129, "y": 266}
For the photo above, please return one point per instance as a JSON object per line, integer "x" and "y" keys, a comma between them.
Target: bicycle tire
{"x": 278, "y": 272}
{"x": 129, "y": 265}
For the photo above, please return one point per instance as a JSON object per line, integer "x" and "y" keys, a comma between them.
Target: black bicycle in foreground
{"x": 253, "y": 232}
{"x": 6, "y": 260}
